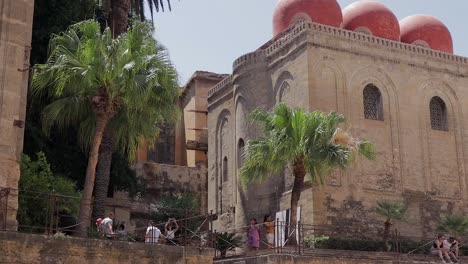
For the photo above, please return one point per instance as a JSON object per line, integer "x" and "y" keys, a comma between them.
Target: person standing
{"x": 253, "y": 239}
{"x": 106, "y": 226}
{"x": 152, "y": 233}
{"x": 171, "y": 228}
{"x": 269, "y": 231}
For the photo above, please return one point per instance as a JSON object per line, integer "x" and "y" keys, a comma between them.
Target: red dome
{"x": 373, "y": 18}
{"x": 326, "y": 12}
{"x": 427, "y": 31}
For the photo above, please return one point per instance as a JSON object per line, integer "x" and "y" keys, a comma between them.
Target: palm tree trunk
{"x": 103, "y": 174}
{"x": 386, "y": 235}
{"x": 299, "y": 175}
{"x": 119, "y": 16}
{"x": 86, "y": 199}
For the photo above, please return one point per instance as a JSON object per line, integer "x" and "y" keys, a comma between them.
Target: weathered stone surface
{"x": 15, "y": 45}
{"x": 26, "y": 248}
{"x": 318, "y": 67}
{"x": 159, "y": 180}
{"x": 333, "y": 257}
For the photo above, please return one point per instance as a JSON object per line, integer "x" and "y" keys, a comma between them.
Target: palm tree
{"x": 95, "y": 78}
{"x": 126, "y": 134}
{"x": 154, "y": 5}
{"x": 391, "y": 210}
{"x": 311, "y": 143}
{"x": 455, "y": 225}
{"x": 118, "y": 12}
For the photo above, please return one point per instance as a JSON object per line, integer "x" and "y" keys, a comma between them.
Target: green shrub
{"x": 40, "y": 197}
{"x": 324, "y": 242}
{"x": 226, "y": 241}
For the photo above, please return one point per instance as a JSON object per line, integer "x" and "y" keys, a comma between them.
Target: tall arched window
{"x": 438, "y": 114}
{"x": 373, "y": 107}
{"x": 240, "y": 153}
{"x": 225, "y": 169}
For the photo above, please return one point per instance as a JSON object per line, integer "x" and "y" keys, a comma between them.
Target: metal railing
{"x": 56, "y": 215}
{"x": 302, "y": 239}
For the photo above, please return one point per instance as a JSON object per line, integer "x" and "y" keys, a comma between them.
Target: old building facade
{"x": 404, "y": 91}
{"x": 15, "y": 44}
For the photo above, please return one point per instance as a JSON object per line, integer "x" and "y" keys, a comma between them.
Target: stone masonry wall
{"x": 26, "y": 248}
{"x": 159, "y": 180}
{"x": 322, "y": 68}
{"x": 333, "y": 257}
{"x": 15, "y": 44}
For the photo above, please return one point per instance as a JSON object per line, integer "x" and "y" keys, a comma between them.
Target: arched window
{"x": 373, "y": 107}
{"x": 240, "y": 153}
{"x": 438, "y": 114}
{"x": 225, "y": 169}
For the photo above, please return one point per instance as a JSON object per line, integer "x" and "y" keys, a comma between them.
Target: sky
{"x": 210, "y": 34}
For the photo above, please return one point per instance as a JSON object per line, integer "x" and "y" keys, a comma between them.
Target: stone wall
{"x": 322, "y": 68}
{"x": 25, "y": 248}
{"x": 333, "y": 257}
{"x": 16, "y": 18}
{"x": 159, "y": 180}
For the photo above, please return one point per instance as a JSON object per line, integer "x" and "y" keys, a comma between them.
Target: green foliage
{"x": 41, "y": 190}
{"x": 311, "y": 242}
{"x": 174, "y": 206}
{"x": 54, "y": 16}
{"x": 130, "y": 80}
{"x": 391, "y": 210}
{"x": 64, "y": 155}
{"x": 293, "y": 135}
{"x": 123, "y": 177}
{"x": 226, "y": 241}
{"x": 454, "y": 225}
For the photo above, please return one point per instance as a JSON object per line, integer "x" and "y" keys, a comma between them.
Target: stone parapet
{"x": 333, "y": 257}
{"x": 26, "y": 248}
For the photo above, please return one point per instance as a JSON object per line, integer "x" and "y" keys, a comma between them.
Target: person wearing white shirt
{"x": 152, "y": 234}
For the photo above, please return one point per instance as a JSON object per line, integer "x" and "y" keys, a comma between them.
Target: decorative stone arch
{"x": 329, "y": 64}
{"x": 283, "y": 85}
{"x": 222, "y": 122}
{"x": 427, "y": 91}
{"x": 375, "y": 76}
{"x": 372, "y": 102}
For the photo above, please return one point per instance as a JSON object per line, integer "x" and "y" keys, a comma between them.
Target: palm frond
{"x": 456, "y": 225}
{"x": 392, "y": 210}
{"x": 291, "y": 134}
{"x": 132, "y": 74}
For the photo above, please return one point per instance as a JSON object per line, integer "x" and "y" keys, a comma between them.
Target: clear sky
{"x": 210, "y": 34}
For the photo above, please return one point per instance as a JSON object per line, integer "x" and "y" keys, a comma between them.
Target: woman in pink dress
{"x": 253, "y": 239}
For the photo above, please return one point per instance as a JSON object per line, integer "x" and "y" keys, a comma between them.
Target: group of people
{"x": 446, "y": 249}
{"x": 152, "y": 236}
{"x": 253, "y": 234}
{"x": 153, "y": 233}
{"x": 105, "y": 228}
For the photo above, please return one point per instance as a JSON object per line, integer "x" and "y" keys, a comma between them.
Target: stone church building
{"x": 399, "y": 85}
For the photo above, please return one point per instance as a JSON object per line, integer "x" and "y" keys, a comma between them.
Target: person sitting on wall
{"x": 454, "y": 246}
{"x": 438, "y": 249}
